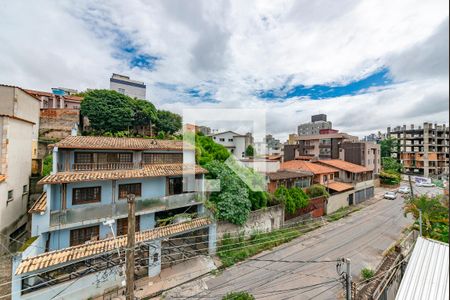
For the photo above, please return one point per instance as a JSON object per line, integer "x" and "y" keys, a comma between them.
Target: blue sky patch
{"x": 127, "y": 50}
{"x": 316, "y": 92}
{"x": 200, "y": 95}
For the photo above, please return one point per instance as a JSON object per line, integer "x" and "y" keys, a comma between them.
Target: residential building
{"x": 423, "y": 150}
{"x": 321, "y": 146}
{"x": 317, "y": 123}
{"x": 235, "y": 143}
{"x": 367, "y": 154}
{"x": 358, "y": 177}
{"x": 268, "y": 146}
{"x": 19, "y": 123}
{"x": 124, "y": 85}
{"x": 289, "y": 179}
{"x": 80, "y": 221}
{"x": 374, "y": 137}
{"x": 197, "y": 129}
{"x": 426, "y": 275}
{"x": 57, "y": 99}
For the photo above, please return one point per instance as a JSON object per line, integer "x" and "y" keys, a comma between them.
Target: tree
{"x": 391, "y": 165}
{"x": 168, "y": 122}
{"x": 434, "y": 216}
{"x": 387, "y": 146}
{"x": 107, "y": 110}
{"x": 144, "y": 112}
{"x": 390, "y": 177}
{"x": 232, "y": 202}
{"x": 317, "y": 190}
{"x": 238, "y": 296}
{"x": 293, "y": 198}
{"x": 250, "y": 151}
{"x": 207, "y": 150}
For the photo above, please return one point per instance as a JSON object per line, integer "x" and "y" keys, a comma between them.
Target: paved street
{"x": 362, "y": 237}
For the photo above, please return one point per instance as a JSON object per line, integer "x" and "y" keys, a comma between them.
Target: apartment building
{"x": 235, "y": 143}
{"x": 268, "y": 146}
{"x": 423, "y": 150}
{"x": 321, "y": 146}
{"x": 318, "y": 122}
{"x": 19, "y": 123}
{"x": 80, "y": 221}
{"x": 57, "y": 99}
{"x": 205, "y": 130}
{"x": 367, "y": 154}
{"x": 124, "y": 85}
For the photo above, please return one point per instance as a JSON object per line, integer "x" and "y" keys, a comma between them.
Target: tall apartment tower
{"x": 124, "y": 85}
{"x": 422, "y": 150}
{"x": 318, "y": 122}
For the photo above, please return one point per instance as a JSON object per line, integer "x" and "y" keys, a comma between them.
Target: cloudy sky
{"x": 367, "y": 64}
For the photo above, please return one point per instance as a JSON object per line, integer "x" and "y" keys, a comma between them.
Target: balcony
{"x": 94, "y": 213}
{"x": 106, "y": 166}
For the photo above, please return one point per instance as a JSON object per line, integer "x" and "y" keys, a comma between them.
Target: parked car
{"x": 390, "y": 195}
{"x": 425, "y": 184}
{"x": 404, "y": 190}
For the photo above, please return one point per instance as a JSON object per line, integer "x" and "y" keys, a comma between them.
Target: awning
{"x": 339, "y": 186}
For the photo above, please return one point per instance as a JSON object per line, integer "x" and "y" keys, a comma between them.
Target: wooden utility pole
{"x": 130, "y": 247}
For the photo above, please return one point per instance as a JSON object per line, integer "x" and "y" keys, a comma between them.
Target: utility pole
{"x": 410, "y": 187}
{"x": 420, "y": 222}
{"x": 348, "y": 280}
{"x": 130, "y": 248}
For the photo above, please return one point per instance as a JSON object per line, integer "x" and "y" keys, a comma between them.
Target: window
{"x": 243, "y": 154}
{"x": 25, "y": 189}
{"x": 86, "y": 195}
{"x": 155, "y": 257}
{"x": 10, "y": 195}
{"x": 115, "y": 157}
{"x": 325, "y": 178}
{"x": 122, "y": 225}
{"x": 131, "y": 188}
{"x": 175, "y": 185}
{"x": 302, "y": 182}
{"x": 83, "y": 158}
{"x": 230, "y": 140}
{"x": 162, "y": 158}
{"x": 82, "y": 235}
{"x": 331, "y": 176}
{"x": 222, "y": 139}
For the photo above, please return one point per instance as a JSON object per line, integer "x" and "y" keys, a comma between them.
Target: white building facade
{"x": 19, "y": 123}
{"x": 235, "y": 143}
{"x": 124, "y": 85}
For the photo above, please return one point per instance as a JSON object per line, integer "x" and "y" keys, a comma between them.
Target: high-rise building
{"x": 422, "y": 150}
{"x": 318, "y": 122}
{"x": 124, "y": 85}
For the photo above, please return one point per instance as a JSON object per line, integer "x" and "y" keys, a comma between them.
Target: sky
{"x": 366, "y": 64}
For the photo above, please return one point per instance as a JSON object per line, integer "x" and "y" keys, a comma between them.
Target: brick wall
{"x": 57, "y": 123}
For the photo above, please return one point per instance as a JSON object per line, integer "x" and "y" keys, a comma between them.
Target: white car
{"x": 404, "y": 190}
{"x": 425, "y": 184}
{"x": 390, "y": 195}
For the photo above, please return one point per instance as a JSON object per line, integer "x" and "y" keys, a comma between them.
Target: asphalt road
{"x": 362, "y": 237}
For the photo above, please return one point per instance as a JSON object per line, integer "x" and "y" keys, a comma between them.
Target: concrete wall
{"x": 262, "y": 220}
{"x": 338, "y": 201}
{"x": 58, "y": 123}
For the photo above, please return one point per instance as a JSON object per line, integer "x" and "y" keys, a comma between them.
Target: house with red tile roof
{"x": 81, "y": 218}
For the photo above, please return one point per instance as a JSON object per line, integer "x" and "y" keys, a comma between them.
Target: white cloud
{"x": 232, "y": 48}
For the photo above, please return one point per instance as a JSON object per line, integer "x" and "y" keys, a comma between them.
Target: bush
{"x": 293, "y": 199}
{"x": 47, "y": 165}
{"x": 238, "y": 296}
{"x": 390, "y": 178}
{"x": 367, "y": 273}
{"x": 317, "y": 190}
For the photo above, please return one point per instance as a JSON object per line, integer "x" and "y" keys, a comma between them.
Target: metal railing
{"x": 88, "y": 213}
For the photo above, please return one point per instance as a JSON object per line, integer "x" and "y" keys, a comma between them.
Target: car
{"x": 425, "y": 184}
{"x": 404, "y": 190}
{"x": 390, "y": 195}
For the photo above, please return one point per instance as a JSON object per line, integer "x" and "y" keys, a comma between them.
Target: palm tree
{"x": 433, "y": 212}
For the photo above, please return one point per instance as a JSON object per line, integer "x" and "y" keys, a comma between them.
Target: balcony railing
{"x": 106, "y": 166}
{"x": 90, "y": 213}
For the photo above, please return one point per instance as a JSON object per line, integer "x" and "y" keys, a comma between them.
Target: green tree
{"x": 168, "y": 122}
{"x": 47, "y": 165}
{"x": 144, "y": 112}
{"x": 238, "y": 296}
{"x": 387, "y": 146}
{"x": 232, "y": 202}
{"x": 390, "y": 177}
{"x": 299, "y": 197}
{"x": 207, "y": 150}
{"x": 434, "y": 216}
{"x": 391, "y": 164}
{"x": 250, "y": 151}
{"x": 107, "y": 110}
{"x": 317, "y": 190}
